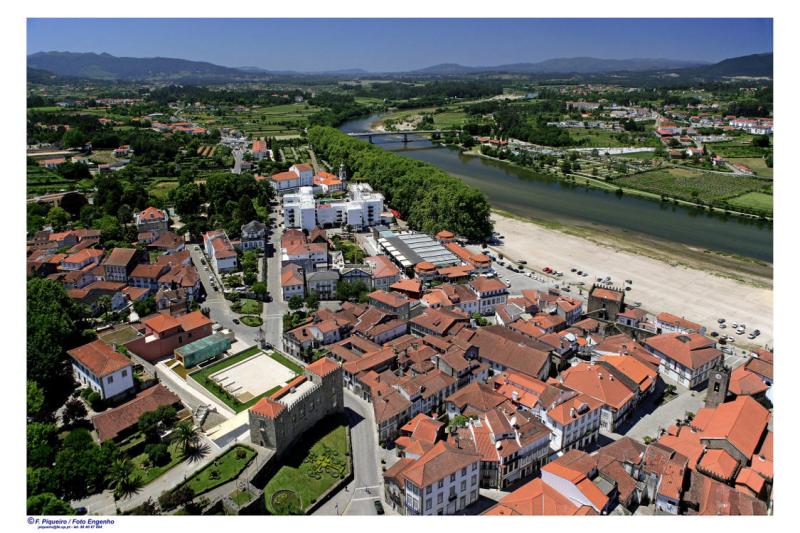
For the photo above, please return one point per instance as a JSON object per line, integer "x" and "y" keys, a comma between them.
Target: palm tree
{"x": 122, "y": 478}
{"x": 187, "y": 437}
{"x": 128, "y": 487}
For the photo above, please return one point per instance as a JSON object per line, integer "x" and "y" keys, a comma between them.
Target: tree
{"x": 55, "y": 324}
{"x": 74, "y": 138}
{"x": 158, "y": 453}
{"x": 187, "y": 437}
{"x": 296, "y": 302}
{"x": 762, "y": 141}
{"x": 41, "y": 443}
{"x": 48, "y": 504}
{"x": 35, "y": 398}
{"x": 260, "y": 289}
{"x": 312, "y": 300}
{"x": 145, "y": 307}
{"x": 74, "y": 411}
{"x": 58, "y": 218}
{"x": 123, "y": 480}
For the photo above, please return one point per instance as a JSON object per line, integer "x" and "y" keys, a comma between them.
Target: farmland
{"x": 692, "y": 185}
{"x": 758, "y": 201}
{"x": 274, "y": 121}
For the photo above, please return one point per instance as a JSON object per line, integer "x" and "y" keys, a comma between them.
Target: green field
{"x": 272, "y": 121}
{"x": 315, "y": 464}
{"x": 692, "y": 185}
{"x": 224, "y": 468}
{"x": 753, "y": 200}
{"x": 737, "y": 149}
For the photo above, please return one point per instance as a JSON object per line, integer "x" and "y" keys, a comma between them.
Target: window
{"x": 464, "y": 471}
{"x": 428, "y": 489}
{"x": 124, "y": 373}
{"x": 452, "y": 477}
{"x": 474, "y": 479}
{"x": 474, "y": 466}
{"x": 110, "y": 379}
{"x": 464, "y": 485}
{"x": 441, "y": 483}
{"x": 440, "y": 497}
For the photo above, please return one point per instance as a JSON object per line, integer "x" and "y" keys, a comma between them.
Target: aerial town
{"x": 251, "y": 299}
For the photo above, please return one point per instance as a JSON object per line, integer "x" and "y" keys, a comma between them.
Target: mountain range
{"x": 107, "y": 67}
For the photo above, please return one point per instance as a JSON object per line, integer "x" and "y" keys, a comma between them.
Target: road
{"x": 237, "y": 158}
{"x": 275, "y": 309}
{"x": 219, "y": 307}
{"x": 367, "y": 485}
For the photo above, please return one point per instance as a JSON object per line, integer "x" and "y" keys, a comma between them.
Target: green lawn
{"x": 252, "y": 320}
{"x": 691, "y": 185}
{"x": 297, "y": 369}
{"x": 150, "y": 472}
{"x": 737, "y": 149}
{"x": 202, "y": 377}
{"x": 753, "y": 200}
{"x": 246, "y": 306}
{"x": 224, "y": 468}
{"x": 320, "y": 459}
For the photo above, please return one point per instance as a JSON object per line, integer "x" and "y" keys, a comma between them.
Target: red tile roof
{"x": 112, "y": 422}
{"x": 323, "y": 366}
{"x": 99, "y": 358}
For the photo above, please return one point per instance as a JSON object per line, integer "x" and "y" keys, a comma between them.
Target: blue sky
{"x": 384, "y": 45}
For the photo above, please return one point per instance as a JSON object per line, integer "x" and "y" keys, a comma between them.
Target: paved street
{"x": 650, "y": 417}
{"x": 275, "y": 309}
{"x": 367, "y": 485}
{"x": 218, "y": 306}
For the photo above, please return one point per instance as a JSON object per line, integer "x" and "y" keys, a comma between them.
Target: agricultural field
{"x": 737, "y": 149}
{"x": 753, "y": 200}
{"x": 160, "y": 187}
{"x": 605, "y": 138}
{"x": 692, "y": 185}
{"x": 207, "y": 150}
{"x": 274, "y": 121}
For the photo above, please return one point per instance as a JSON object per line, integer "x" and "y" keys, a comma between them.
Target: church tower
{"x": 718, "y": 380}
{"x": 342, "y": 172}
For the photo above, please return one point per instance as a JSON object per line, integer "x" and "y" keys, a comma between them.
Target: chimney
{"x": 572, "y": 412}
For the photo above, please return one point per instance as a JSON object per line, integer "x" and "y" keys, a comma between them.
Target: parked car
{"x": 573, "y": 269}
{"x": 721, "y": 320}
{"x": 522, "y": 262}
{"x": 714, "y": 334}
{"x": 723, "y": 325}
{"x": 751, "y": 336}
{"x": 547, "y": 269}
{"x": 629, "y": 281}
{"x": 627, "y": 288}
{"x": 235, "y": 320}
{"x": 580, "y": 272}
{"x": 378, "y": 507}
{"x": 81, "y": 511}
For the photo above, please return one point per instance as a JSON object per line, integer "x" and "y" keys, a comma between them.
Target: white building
{"x": 220, "y": 250}
{"x": 362, "y": 209}
{"x": 254, "y": 235}
{"x": 98, "y": 366}
{"x": 443, "y": 481}
{"x": 297, "y": 176}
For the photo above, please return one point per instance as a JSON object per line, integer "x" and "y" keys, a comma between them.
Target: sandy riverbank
{"x": 681, "y": 280}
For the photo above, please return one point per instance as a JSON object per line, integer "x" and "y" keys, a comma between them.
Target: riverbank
{"x": 596, "y": 183}
{"x": 686, "y": 281}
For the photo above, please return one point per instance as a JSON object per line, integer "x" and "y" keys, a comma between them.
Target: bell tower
{"x": 718, "y": 380}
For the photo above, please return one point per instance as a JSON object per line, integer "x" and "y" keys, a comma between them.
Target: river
{"x": 534, "y": 195}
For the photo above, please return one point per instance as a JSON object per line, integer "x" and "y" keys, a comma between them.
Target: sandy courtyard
{"x": 697, "y": 295}
{"x": 253, "y": 376}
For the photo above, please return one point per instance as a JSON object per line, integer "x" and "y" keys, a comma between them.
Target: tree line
{"x": 426, "y": 197}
